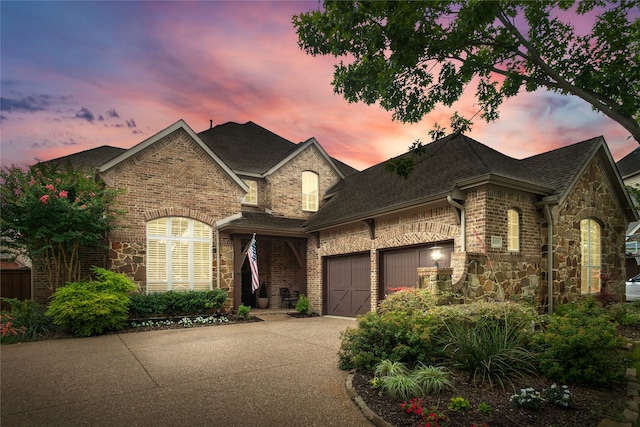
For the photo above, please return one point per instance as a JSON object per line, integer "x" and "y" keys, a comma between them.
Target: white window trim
{"x": 250, "y": 183}
{"x": 310, "y": 201}
{"x": 168, "y": 240}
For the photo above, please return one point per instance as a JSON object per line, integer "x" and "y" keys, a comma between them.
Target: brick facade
{"x": 175, "y": 176}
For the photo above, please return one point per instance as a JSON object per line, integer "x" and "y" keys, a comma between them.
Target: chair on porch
{"x": 286, "y": 296}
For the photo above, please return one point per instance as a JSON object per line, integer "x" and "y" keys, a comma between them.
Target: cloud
{"x": 131, "y": 124}
{"x": 113, "y": 114}
{"x": 85, "y": 114}
{"x": 29, "y": 104}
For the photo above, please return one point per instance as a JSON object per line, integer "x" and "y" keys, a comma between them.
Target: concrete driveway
{"x": 271, "y": 373}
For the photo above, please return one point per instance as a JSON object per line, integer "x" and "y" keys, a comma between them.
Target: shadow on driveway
{"x": 273, "y": 373}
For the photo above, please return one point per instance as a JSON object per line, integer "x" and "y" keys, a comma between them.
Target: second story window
{"x": 513, "y": 230}
{"x": 251, "y": 198}
{"x": 309, "y": 191}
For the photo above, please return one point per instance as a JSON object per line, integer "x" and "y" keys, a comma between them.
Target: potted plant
{"x": 263, "y": 296}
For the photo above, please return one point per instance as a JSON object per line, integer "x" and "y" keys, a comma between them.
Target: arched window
{"x": 513, "y": 230}
{"x": 178, "y": 255}
{"x": 591, "y": 261}
{"x": 309, "y": 191}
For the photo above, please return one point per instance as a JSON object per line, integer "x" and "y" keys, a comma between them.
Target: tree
{"x": 50, "y": 215}
{"x": 412, "y": 56}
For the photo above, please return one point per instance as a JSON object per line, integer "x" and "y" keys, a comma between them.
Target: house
{"x": 629, "y": 167}
{"x": 487, "y": 225}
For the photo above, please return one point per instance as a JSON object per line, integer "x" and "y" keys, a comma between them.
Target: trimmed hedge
{"x": 171, "y": 304}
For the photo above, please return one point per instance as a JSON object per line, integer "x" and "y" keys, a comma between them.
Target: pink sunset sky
{"x": 78, "y": 75}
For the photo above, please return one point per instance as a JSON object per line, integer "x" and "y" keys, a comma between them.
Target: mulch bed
{"x": 590, "y": 406}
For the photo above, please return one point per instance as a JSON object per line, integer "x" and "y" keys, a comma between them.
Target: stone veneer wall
{"x": 494, "y": 273}
{"x": 592, "y": 197}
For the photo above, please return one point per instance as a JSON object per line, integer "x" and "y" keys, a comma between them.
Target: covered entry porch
{"x": 281, "y": 248}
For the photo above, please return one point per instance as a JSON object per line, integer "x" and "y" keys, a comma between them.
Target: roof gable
{"x": 629, "y": 165}
{"x": 250, "y": 149}
{"x": 180, "y": 124}
{"x": 247, "y": 148}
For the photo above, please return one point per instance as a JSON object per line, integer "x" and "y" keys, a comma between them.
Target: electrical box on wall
{"x": 496, "y": 241}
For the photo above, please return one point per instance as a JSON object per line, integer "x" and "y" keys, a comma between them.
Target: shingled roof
{"x": 264, "y": 223}
{"x": 456, "y": 161}
{"x": 88, "y": 160}
{"x": 629, "y": 165}
{"x": 250, "y": 148}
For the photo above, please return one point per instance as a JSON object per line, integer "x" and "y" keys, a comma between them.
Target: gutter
{"x": 463, "y": 221}
{"x": 548, "y": 216}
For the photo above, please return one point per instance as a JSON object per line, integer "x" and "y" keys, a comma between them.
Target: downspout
{"x": 547, "y": 212}
{"x": 463, "y": 231}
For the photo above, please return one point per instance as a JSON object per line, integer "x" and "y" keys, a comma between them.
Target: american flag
{"x": 253, "y": 263}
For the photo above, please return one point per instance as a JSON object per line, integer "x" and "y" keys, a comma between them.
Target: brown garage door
{"x": 348, "y": 285}
{"x": 399, "y": 267}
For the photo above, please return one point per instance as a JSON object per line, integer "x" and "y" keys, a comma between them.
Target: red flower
{"x": 45, "y": 199}
{"x": 63, "y": 194}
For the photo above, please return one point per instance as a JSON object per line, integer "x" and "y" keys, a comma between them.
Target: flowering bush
{"x": 8, "y": 331}
{"x": 559, "y": 396}
{"x": 49, "y": 215}
{"x": 432, "y": 417}
{"x": 528, "y": 398}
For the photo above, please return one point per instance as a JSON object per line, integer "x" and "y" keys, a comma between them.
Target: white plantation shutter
{"x": 178, "y": 255}
{"x": 513, "y": 230}
{"x": 201, "y": 265}
{"x": 591, "y": 256}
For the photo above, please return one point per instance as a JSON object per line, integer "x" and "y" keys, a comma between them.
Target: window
{"x": 309, "y": 191}
{"x": 513, "y": 230}
{"x": 591, "y": 256}
{"x": 251, "y": 198}
{"x": 178, "y": 255}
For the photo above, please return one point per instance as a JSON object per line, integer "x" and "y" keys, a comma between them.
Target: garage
{"x": 348, "y": 285}
{"x": 399, "y": 267}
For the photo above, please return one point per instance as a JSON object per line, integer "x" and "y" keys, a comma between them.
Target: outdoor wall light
{"x": 436, "y": 254}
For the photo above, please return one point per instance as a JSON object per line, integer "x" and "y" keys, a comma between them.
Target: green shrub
{"x": 581, "y": 345}
{"x": 92, "y": 307}
{"x": 393, "y": 335}
{"x": 408, "y": 300}
{"x": 459, "y": 404}
{"x": 625, "y": 314}
{"x": 408, "y": 328}
{"x": 491, "y": 350}
{"x": 243, "y": 312}
{"x": 171, "y": 303}
{"x": 302, "y": 306}
{"x": 28, "y": 317}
